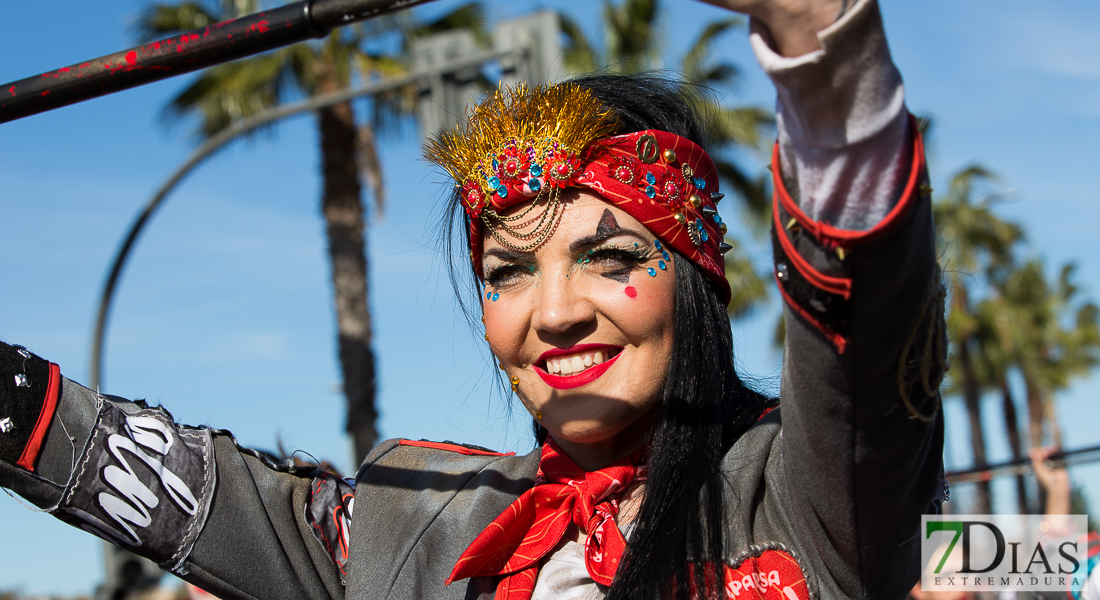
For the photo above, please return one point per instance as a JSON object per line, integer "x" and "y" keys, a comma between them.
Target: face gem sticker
{"x": 631, "y": 292}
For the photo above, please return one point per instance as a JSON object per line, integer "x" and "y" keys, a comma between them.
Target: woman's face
{"x": 585, "y": 323}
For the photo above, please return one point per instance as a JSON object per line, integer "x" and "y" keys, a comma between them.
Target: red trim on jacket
{"x": 452, "y": 448}
{"x": 49, "y": 407}
{"x": 830, "y": 236}
{"x": 840, "y": 286}
{"x": 838, "y": 340}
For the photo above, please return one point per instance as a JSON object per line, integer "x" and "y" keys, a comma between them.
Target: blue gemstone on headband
{"x": 502, "y": 192}
{"x": 650, "y": 191}
{"x": 495, "y": 164}
{"x": 657, "y": 244}
{"x": 661, "y": 264}
{"x": 536, "y": 171}
{"x": 704, "y": 236}
{"x": 652, "y": 272}
{"x": 495, "y": 296}
{"x": 534, "y": 184}
{"x": 700, "y": 183}
{"x": 494, "y": 182}
{"x": 650, "y": 178}
{"x": 717, "y": 219}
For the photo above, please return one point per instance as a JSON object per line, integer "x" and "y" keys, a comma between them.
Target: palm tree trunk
{"x": 1035, "y": 412}
{"x": 972, "y": 397}
{"x": 1012, "y": 427}
{"x": 342, "y": 207}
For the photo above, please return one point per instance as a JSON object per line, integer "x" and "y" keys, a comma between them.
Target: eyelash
{"x": 628, "y": 258}
{"x": 502, "y": 275}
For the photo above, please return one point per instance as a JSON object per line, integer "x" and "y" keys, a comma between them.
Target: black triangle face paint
{"x": 607, "y": 223}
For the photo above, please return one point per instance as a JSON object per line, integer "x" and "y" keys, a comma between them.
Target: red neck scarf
{"x": 514, "y": 543}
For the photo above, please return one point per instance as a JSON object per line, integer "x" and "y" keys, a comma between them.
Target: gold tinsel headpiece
{"x": 520, "y": 144}
{"x": 541, "y": 127}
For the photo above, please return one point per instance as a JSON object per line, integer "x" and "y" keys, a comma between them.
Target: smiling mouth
{"x": 573, "y": 367}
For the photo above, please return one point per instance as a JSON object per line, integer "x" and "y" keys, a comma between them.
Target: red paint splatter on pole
{"x": 131, "y": 58}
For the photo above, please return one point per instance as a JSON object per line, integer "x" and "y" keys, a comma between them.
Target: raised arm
{"x": 219, "y": 516}
{"x": 861, "y": 443}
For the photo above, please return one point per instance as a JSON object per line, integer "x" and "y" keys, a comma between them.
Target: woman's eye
{"x": 613, "y": 259}
{"x": 505, "y": 275}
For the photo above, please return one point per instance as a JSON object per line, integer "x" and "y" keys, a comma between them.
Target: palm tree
{"x": 631, "y": 45}
{"x": 974, "y": 242}
{"x": 222, "y": 95}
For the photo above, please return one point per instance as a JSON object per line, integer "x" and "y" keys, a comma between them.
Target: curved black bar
{"x": 191, "y": 51}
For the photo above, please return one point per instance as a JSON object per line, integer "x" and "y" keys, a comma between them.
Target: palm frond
{"x": 694, "y": 62}
{"x": 163, "y": 20}
{"x": 750, "y": 288}
{"x": 470, "y": 16}
{"x": 580, "y": 55}
{"x": 631, "y": 35}
{"x": 756, "y": 207}
{"x": 231, "y": 91}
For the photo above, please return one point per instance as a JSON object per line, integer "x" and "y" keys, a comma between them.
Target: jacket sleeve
{"x": 864, "y": 353}
{"x": 222, "y": 517}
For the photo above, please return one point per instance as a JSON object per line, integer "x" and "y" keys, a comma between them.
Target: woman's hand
{"x": 793, "y": 23}
{"x": 1055, "y": 481}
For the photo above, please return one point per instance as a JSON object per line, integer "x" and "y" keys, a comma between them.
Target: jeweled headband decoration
{"x": 522, "y": 144}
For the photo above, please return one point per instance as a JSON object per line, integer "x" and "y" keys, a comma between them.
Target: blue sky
{"x": 224, "y": 314}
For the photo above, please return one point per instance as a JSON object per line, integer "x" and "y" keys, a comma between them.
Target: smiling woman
{"x": 587, "y": 212}
{"x": 588, "y": 357}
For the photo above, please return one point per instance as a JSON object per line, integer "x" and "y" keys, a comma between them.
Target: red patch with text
{"x": 774, "y": 575}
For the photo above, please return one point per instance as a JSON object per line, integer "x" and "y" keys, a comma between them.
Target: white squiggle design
{"x": 133, "y": 509}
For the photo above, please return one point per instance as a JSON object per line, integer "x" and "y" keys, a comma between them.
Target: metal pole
{"x": 210, "y": 45}
{"x": 1023, "y": 466}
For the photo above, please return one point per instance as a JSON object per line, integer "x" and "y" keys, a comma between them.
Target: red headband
{"x": 665, "y": 181}
{"x": 525, "y": 144}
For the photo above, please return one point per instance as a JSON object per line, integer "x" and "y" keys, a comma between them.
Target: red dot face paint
{"x": 631, "y": 292}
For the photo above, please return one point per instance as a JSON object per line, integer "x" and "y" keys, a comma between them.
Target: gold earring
{"x": 538, "y": 415}
{"x": 515, "y": 383}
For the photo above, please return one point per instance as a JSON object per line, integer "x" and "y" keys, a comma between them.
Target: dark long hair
{"x": 706, "y": 405}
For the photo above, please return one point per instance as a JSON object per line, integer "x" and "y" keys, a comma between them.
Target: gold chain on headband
{"x": 521, "y": 143}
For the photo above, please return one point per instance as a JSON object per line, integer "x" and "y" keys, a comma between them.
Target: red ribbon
{"x": 516, "y": 541}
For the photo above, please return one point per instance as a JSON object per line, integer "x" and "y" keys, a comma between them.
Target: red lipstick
{"x": 584, "y": 377}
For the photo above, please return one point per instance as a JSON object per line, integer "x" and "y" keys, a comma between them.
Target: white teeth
{"x": 574, "y": 364}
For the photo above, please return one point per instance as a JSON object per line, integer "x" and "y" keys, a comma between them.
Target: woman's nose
{"x": 563, "y": 305}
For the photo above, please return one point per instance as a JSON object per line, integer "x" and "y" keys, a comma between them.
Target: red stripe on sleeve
{"x": 830, "y": 236}
{"x": 838, "y": 340}
{"x": 49, "y": 407}
{"x": 452, "y": 448}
